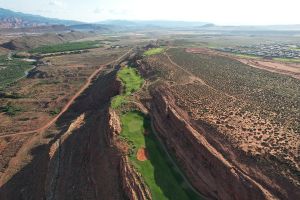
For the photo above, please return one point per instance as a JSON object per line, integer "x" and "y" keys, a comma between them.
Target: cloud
{"x": 118, "y": 12}
{"x": 56, "y": 3}
{"x": 43, "y": 11}
{"x": 98, "y": 11}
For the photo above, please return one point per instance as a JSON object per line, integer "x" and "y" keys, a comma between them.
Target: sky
{"x": 220, "y": 12}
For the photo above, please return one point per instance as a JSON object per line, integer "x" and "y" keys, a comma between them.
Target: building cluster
{"x": 267, "y": 50}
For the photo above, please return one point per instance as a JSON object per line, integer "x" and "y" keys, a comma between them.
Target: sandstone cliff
{"x": 209, "y": 172}
{"x": 132, "y": 183}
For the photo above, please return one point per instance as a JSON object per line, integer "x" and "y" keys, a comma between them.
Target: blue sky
{"x": 223, "y": 12}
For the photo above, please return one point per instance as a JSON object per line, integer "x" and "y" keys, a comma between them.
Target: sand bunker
{"x": 142, "y": 154}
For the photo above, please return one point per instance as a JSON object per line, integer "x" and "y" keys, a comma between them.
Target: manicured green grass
{"x": 158, "y": 172}
{"x": 131, "y": 79}
{"x": 118, "y": 101}
{"x": 153, "y": 51}
{"x": 69, "y": 46}
{"x": 12, "y": 70}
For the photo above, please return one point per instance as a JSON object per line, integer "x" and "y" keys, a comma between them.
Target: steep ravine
{"x": 206, "y": 168}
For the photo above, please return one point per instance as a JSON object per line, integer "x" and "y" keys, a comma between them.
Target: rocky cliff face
{"x": 132, "y": 184}
{"x": 206, "y": 168}
{"x": 113, "y": 128}
{"x": 91, "y": 149}
{"x": 81, "y": 158}
{"x": 82, "y": 165}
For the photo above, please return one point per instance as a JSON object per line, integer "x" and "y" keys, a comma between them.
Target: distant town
{"x": 289, "y": 51}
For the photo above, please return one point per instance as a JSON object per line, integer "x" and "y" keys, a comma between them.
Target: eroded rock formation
{"x": 209, "y": 172}
{"x": 132, "y": 183}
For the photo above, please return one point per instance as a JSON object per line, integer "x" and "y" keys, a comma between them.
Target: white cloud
{"x": 98, "y": 11}
{"x": 56, "y": 3}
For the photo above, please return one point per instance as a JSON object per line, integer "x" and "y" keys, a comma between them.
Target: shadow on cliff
{"x": 76, "y": 155}
{"x": 164, "y": 168}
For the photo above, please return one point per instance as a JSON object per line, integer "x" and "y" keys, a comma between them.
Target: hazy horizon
{"x": 230, "y": 12}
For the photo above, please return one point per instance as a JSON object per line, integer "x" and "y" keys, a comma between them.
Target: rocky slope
{"x": 132, "y": 184}
{"x": 207, "y": 169}
{"x": 28, "y": 42}
{"x": 11, "y": 19}
{"x": 83, "y": 158}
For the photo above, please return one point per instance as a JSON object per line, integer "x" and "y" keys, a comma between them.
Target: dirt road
{"x": 70, "y": 102}
{"x": 292, "y": 70}
{"x": 286, "y": 68}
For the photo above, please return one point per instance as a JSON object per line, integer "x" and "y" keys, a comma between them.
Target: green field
{"x": 69, "y": 46}
{"x": 293, "y": 60}
{"x": 246, "y": 56}
{"x": 131, "y": 81}
{"x": 158, "y": 172}
{"x": 12, "y": 70}
{"x": 153, "y": 51}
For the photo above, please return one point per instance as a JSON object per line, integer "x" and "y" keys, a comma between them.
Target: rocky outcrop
{"x": 209, "y": 172}
{"x": 55, "y": 157}
{"x": 36, "y": 73}
{"x": 113, "y": 129}
{"x": 132, "y": 182}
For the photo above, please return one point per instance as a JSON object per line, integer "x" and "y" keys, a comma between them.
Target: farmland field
{"x": 69, "y": 46}
{"x": 287, "y": 60}
{"x": 12, "y": 70}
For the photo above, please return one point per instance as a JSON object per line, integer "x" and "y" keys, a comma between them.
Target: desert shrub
{"x": 10, "y": 109}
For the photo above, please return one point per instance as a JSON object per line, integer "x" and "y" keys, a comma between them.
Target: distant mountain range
{"x": 154, "y": 23}
{"x": 11, "y": 19}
